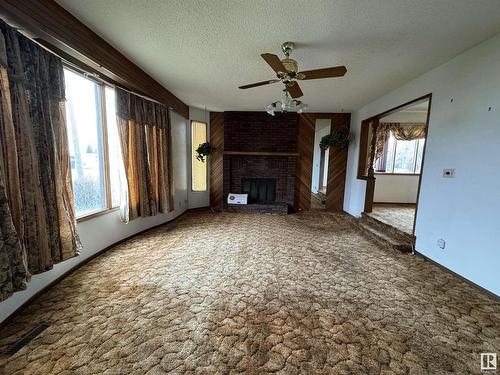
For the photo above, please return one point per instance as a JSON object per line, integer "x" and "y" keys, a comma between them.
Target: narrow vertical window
{"x": 85, "y": 143}
{"x": 198, "y": 168}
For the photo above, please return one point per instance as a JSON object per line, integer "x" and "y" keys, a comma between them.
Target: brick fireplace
{"x": 260, "y": 147}
{"x": 255, "y": 145}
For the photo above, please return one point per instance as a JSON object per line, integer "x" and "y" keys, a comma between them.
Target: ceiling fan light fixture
{"x": 301, "y": 107}
{"x": 270, "y": 108}
{"x": 287, "y": 104}
{"x": 290, "y": 65}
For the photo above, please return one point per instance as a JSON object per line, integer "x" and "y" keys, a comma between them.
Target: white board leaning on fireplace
{"x": 237, "y": 198}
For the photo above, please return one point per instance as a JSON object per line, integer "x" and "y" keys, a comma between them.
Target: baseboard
{"x": 471, "y": 283}
{"x": 54, "y": 282}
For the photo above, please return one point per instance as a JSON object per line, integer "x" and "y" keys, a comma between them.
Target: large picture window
{"x": 401, "y": 157}
{"x": 93, "y": 144}
{"x": 198, "y": 168}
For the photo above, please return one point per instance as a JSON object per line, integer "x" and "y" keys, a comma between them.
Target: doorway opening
{"x": 394, "y": 149}
{"x": 319, "y": 179}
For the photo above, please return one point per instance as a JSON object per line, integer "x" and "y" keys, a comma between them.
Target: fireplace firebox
{"x": 259, "y": 190}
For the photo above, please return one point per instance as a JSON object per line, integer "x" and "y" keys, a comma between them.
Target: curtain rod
{"x": 85, "y": 73}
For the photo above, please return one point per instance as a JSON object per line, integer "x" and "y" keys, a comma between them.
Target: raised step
{"x": 386, "y": 235}
{"x": 387, "y": 228}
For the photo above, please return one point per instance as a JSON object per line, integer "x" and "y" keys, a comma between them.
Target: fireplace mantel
{"x": 261, "y": 153}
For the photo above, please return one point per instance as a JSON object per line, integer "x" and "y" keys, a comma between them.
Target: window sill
{"x": 96, "y": 214}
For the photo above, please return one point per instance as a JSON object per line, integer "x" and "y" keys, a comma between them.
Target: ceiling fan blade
{"x": 337, "y": 71}
{"x": 259, "y": 84}
{"x": 275, "y": 62}
{"x": 294, "y": 90}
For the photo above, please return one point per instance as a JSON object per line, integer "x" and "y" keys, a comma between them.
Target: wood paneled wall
{"x": 337, "y": 162}
{"x": 305, "y": 148}
{"x": 48, "y": 21}
{"x": 217, "y": 160}
{"x": 337, "y": 166}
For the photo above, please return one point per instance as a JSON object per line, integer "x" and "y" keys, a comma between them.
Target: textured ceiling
{"x": 203, "y": 50}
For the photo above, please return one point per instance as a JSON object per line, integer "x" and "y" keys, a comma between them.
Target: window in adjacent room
{"x": 401, "y": 157}
{"x": 198, "y": 168}
{"x": 93, "y": 144}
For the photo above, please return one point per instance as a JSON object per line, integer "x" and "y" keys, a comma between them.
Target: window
{"x": 401, "y": 157}
{"x": 93, "y": 144}
{"x": 198, "y": 168}
{"x": 114, "y": 148}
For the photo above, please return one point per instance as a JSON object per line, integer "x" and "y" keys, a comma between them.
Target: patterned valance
{"x": 402, "y": 131}
{"x": 140, "y": 110}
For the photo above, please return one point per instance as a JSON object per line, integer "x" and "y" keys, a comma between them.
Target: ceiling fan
{"x": 287, "y": 72}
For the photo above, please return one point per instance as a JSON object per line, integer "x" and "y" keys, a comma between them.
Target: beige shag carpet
{"x": 222, "y": 293}
{"x": 400, "y": 216}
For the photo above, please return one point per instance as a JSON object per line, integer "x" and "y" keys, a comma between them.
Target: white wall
{"x": 105, "y": 230}
{"x": 463, "y": 135}
{"x": 395, "y": 188}
{"x": 406, "y": 116}
{"x": 325, "y": 170}
{"x": 323, "y": 127}
{"x": 198, "y": 198}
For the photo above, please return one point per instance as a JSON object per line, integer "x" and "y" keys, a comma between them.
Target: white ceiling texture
{"x": 203, "y": 50}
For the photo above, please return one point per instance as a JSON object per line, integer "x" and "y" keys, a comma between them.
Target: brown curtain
{"x": 144, "y": 128}
{"x": 401, "y": 131}
{"x": 34, "y": 153}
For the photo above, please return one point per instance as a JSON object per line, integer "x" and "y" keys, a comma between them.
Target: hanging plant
{"x": 203, "y": 150}
{"x": 339, "y": 138}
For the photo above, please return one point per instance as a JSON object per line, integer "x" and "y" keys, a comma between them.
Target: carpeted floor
{"x": 400, "y": 216}
{"x": 221, "y": 293}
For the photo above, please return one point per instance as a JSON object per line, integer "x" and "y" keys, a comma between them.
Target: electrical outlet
{"x": 448, "y": 173}
{"x": 441, "y": 243}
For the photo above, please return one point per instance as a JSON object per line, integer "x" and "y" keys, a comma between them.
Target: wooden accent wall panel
{"x": 305, "y": 148}
{"x": 217, "y": 160}
{"x": 57, "y": 27}
{"x": 337, "y": 167}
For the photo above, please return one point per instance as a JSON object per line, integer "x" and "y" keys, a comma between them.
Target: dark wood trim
{"x": 216, "y": 160}
{"x": 471, "y": 283}
{"x": 364, "y": 136}
{"x": 305, "y": 147}
{"x": 52, "y": 25}
{"x": 337, "y": 163}
{"x": 261, "y": 153}
{"x": 369, "y": 194}
{"x": 365, "y": 178}
{"x": 54, "y": 282}
{"x": 373, "y": 145}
